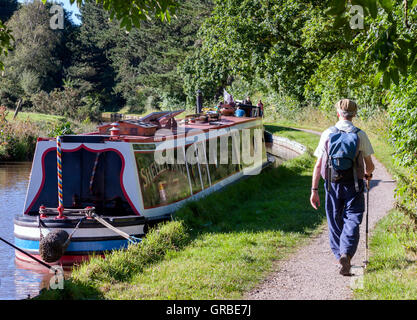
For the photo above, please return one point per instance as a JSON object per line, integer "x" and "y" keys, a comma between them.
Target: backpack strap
{"x": 334, "y": 129}
{"x": 355, "y": 175}
{"x": 355, "y": 169}
{"x": 329, "y": 160}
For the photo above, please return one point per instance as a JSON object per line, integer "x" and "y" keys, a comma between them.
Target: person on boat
{"x": 247, "y": 101}
{"x": 261, "y": 108}
{"x": 344, "y": 189}
{"x": 239, "y": 113}
{"x": 219, "y": 106}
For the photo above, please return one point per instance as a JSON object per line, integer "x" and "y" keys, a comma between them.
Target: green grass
{"x": 219, "y": 247}
{"x": 309, "y": 140}
{"x": 392, "y": 271}
{"x": 36, "y": 117}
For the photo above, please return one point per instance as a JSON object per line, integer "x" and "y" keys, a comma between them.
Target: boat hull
{"x": 91, "y": 238}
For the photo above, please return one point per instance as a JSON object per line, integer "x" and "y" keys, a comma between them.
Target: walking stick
{"x": 366, "y": 223}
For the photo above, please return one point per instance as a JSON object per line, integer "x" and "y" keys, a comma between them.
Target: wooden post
{"x": 19, "y": 104}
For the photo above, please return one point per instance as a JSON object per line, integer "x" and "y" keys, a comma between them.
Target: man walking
{"x": 344, "y": 161}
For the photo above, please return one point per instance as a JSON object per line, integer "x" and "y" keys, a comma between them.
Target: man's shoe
{"x": 345, "y": 262}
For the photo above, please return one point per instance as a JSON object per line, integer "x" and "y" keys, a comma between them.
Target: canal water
{"x": 16, "y": 281}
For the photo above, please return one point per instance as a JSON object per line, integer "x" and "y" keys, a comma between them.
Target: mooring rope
{"x": 66, "y": 244}
{"x": 130, "y": 238}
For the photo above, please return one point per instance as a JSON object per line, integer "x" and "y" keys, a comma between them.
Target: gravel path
{"x": 312, "y": 273}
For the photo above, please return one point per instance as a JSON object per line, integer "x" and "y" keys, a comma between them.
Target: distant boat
{"x": 114, "y": 173}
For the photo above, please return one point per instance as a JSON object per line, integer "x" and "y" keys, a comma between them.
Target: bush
{"x": 17, "y": 139}
{"x": 403, "y": 132}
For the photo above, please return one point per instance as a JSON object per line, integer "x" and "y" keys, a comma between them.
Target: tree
{"x": 132, "y": 12}
{"x": 255, "y": 40}
{"x": 139, "y": 66}
{"x": 146, "y": 59}
{"x": 5, "y": 40}
{"x": 91, "y": 70}
{"x": 7, "y": 8}
{"x": 34, "y": 63}
{"x": 128, "y": 12}
{"x": 388, "y": 38}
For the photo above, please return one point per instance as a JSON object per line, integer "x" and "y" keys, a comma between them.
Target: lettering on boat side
{"x": 243, "y": 147}
{"x": 215, "y": 309}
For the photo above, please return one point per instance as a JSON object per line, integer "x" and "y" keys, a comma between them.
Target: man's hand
{"x": 315, "y": 199}
{"x": 368, "y": 178}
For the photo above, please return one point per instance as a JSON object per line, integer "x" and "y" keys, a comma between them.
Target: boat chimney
{"x": 115, "y": 130}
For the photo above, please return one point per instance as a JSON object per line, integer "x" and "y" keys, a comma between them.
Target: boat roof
{"x": 91, "y": 137}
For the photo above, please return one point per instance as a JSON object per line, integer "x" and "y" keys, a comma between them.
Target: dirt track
{"x": 312, "y": 273}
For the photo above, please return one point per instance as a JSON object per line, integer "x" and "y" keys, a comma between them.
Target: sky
{"x": 68, "y": 7}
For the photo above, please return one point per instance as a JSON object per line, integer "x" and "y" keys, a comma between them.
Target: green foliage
{"x": 68, "y": 102}
{"x": 61, "y": 129}
{"x": 389, "y": 41}
{"x": 90, "y": 71}
{"x": 17, "y": 139}
{"x": 131, "y": 12}
{"x": 5, "y": 40}
{"x": 403, "y": 133}
{"x": 280, "y": 43}
{"x": 34, "y": 63}
{"x": 7, "y": 8}
{"x": 137, "y": 68}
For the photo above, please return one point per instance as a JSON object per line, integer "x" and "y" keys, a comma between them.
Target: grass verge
{"x": 218, "y": 248}
{"x": 392, "y": 270}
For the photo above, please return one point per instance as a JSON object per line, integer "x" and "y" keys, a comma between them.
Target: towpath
{"x": 312, "y": 272}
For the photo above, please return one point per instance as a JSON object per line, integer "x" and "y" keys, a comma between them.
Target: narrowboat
{"x": 107, "y": 188}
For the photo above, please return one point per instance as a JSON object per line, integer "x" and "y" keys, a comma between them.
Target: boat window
{"x": 252, "y": 145}
{"x": 194, "y": 169}
{"x": 144, "y": 146}
{"x": 161, "y": 184}
{"x": 219, "y": 171}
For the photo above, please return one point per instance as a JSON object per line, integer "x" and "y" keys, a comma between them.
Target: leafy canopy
{"x": 389, "y": 37}
{"x": 129, "y": 12}
{"x": 132, "y": 12}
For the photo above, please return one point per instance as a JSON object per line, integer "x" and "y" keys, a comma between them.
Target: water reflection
{"x": 17, "y": 281}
